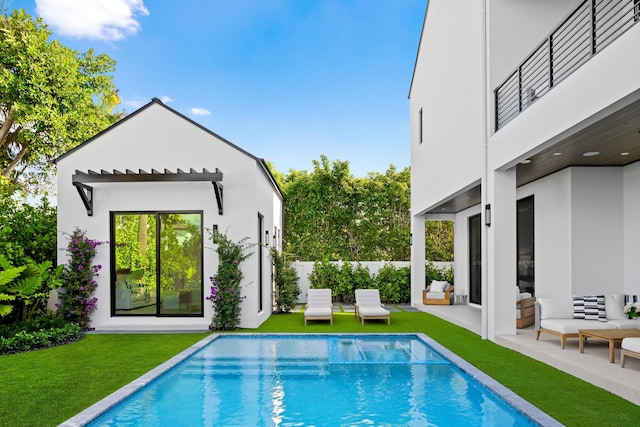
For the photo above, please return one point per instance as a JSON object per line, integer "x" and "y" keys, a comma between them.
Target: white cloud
{"x": 136, "y": 102}
{"x": 200, "y": 111}
{"x": 165, "y": 99}
{"x": 92, "y": 19}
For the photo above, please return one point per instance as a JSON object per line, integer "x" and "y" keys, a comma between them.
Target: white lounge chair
{"x": 319, "y": 305}
{"x": 368, "y": 306}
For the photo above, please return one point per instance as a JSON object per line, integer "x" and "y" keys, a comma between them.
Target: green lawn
{"x": 46, "y": 387}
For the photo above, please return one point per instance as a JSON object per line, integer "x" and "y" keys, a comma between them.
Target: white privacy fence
{"x": 304, "y": 268}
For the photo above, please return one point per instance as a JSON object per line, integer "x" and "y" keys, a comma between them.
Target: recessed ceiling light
{"x": 624, "y": 154}
{"x": 557, "y": 154}
{"x": 525, "y": 161}
{"x": 591, "y": 153}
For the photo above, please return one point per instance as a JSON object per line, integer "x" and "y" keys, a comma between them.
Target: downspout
{"x": 485, "y": 172}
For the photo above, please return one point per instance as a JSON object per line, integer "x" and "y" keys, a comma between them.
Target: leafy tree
{"x": 332, "y": 215}
{"x": 439, "y": 240}
{"x": 385, "y": 220}
{"x": 37, "y": 242}
{"x": 51, "y": 98}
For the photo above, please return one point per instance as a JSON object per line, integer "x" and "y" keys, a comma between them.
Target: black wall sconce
{"x": 487, "y": 215}
{"x": 214, "y": 233}
{"x": 266, "y": 238}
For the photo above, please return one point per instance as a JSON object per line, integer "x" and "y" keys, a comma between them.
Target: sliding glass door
{"x": 157, "y": 263}
{"x": 475, "y": 260}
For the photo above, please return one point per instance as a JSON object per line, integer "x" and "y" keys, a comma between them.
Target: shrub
{"x": 286, "y": 282}
{"x": 26, "y": 288}
{"x": 226, "y": 289}
{"x": 21, "y": 244}
{"x": 394, "y": 284}
{"x": 47, "y": 320}
{"x": 391, "y": 282}
{"x": 42, "y": 338}
{"x": 76, "y": 297}
{"x": 324, "y": 275}
{"x": 343, "y": 290}
{"x": 362, "y": 278}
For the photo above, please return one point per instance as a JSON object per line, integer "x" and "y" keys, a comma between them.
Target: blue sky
{"x": 286, "y": 80}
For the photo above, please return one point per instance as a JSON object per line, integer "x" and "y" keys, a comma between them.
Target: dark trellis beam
{"x": 81, "y": 179}
{"x": 144, "y": 176}
{"x": 217, "y": 188}
{"x": 86, "y": 194}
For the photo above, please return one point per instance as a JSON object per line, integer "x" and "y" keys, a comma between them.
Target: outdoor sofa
{"x": 564, "y": 317}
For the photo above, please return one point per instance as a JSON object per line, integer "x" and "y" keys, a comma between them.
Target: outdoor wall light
{"x": 266, "y": 238}
{"x": 214, "y": 233}
{"x": 487, "y": 215}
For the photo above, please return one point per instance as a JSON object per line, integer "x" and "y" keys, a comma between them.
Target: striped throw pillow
{"x": 589, "y": 308}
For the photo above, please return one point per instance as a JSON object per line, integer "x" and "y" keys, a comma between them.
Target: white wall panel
{"x": 631, "y": 221}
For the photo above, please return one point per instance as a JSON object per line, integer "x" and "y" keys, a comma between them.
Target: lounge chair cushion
{"x": 371, "y": 311}
{"x": 439, "y": 286}
{"x": 319, "y": 305}
{"x": 436, "y": 295}
{"x": 631, "y": 344}
{"x": 572, "y": 326}
{"x": 317, "y": 311}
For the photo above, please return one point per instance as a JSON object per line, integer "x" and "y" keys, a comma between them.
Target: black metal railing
{"x": 594, "y": 25}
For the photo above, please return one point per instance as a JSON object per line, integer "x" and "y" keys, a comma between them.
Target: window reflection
{"x": 158, "y": 263}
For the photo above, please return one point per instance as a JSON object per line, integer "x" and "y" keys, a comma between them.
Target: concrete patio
{"x": 592, "y": 366}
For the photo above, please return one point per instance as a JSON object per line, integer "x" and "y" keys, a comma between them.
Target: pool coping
{"x": 529, "y": 410}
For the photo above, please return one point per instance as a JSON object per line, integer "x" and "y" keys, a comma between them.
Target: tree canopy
{"x": 51, "y": 98}
{"x": 331, "y": 215}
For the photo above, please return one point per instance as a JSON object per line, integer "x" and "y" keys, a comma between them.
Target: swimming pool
{"x": 314, "y": 380}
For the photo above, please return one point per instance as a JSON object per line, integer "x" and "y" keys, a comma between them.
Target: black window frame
{"x": 112, "y": 281}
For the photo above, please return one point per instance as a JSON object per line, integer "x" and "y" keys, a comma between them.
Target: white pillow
{"x": 556, "y": 308}
{"x": 438, "y": 286}
{"x": 614, "y": 305}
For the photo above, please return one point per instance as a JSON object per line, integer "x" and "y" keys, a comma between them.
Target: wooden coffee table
{"x": 614, "y": 336}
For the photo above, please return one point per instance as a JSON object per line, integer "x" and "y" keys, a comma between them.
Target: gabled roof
{"x": 261, "y": 162}
{"x": 415, "y": 65}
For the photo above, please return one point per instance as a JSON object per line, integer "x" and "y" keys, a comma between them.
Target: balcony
{"x": 589, "y": 29}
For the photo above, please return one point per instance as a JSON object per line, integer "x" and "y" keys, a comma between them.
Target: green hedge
{"x": 394, "y": 283}
{"x": 43, "y": 338}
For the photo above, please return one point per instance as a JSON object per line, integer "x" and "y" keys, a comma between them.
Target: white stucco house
{"x": 525, "y": 130}
{"x": 155, "y": 186}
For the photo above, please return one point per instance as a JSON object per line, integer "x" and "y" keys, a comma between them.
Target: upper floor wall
{"x": 446, "y": 102}
{"x": 579, "y": 69}
{"x": 516, "y": 28}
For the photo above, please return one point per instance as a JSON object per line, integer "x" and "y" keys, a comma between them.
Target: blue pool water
{"x": 337, "y": 380}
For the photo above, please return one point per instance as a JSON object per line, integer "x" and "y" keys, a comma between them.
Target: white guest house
{"x": 154, "y": 186}
{"x": 525, "y": 130}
